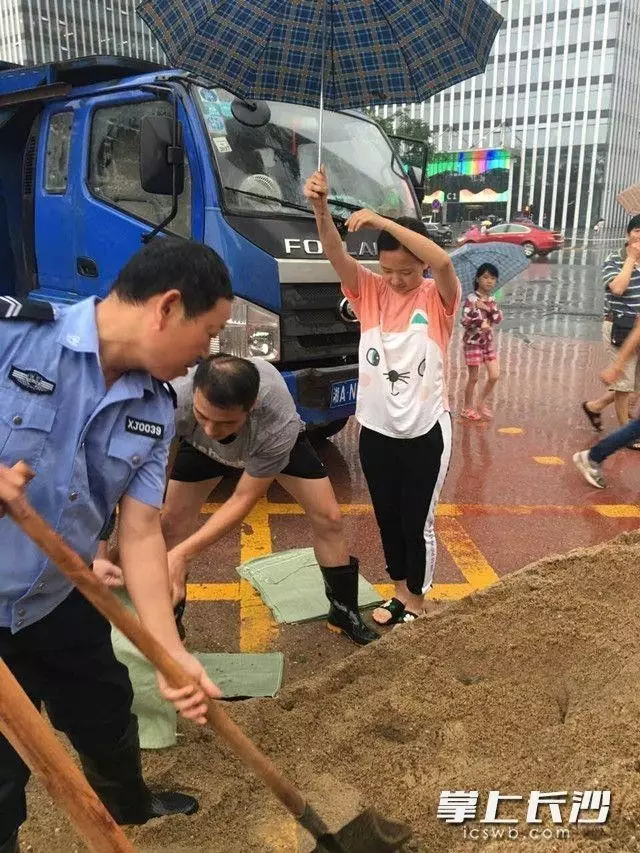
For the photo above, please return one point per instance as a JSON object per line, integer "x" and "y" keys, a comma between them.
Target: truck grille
{"x": 311, "y": 327}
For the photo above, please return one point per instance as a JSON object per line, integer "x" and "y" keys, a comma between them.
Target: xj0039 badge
{"x": 144, "y": 428}
{"x": 31, "y": 381}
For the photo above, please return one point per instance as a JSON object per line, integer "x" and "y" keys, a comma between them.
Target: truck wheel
{"x": 324, "y": 431}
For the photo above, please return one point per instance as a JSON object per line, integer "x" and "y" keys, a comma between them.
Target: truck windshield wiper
{"x": 280, "y": 201}
{"x": 339, "y": 220}
{"x": 346, "y": 204}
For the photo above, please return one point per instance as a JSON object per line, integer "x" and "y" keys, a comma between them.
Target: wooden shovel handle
{"x": 36, "y": 743}
{"x": 72, "y": 565}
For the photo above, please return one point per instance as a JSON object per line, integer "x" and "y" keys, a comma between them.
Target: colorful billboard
{"x": 468, "y": 177}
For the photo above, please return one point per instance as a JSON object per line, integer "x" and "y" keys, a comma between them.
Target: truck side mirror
{"x": 416, "y": 176}
{"x": 160, "y": 155}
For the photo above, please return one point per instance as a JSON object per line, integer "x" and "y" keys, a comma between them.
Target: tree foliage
{"x": 402, "y": 124}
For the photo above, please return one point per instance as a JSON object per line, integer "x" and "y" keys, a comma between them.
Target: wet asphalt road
{"x": 512, "y": 495}
{"x": 558, "y": 296}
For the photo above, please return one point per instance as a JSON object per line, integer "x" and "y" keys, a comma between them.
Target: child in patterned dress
{"x": 479, "y": 315}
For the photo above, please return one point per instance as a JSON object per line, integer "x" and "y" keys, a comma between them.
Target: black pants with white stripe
{"x": 405, "y": 477}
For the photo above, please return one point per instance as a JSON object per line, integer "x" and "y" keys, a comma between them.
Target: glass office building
{"x": 561, "y": 94}
{"x": 37, "y": 31}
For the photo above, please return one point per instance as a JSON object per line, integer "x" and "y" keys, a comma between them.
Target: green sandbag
{"x": 237, "y": 675}
{"x": 290, "y": 584}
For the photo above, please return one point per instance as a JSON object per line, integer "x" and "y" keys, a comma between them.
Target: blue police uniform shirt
{"x": 88, "y": 446}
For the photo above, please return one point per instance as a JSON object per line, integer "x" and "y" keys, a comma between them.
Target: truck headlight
{"x": 251, "y": 332}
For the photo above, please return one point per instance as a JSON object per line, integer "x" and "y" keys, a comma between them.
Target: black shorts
{"x": 192, "y": 466}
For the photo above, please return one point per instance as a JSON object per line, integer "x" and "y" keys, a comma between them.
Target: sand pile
{"x": 531, "y": 685}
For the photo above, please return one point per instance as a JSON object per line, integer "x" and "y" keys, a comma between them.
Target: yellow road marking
{"x": 231, "y": 591}
{"x": 258, "y": 630}
{"x": 449, "y": 510}
{"x": 450, "y": 591}
{"x": 384, "y": 590}
{"x": 548, "y": 460}
{"x": 511, "y": 430}
{"x": 465, "y": 553}
{"x": 296, "y": 509}
{"x": 456, "y": 510}
{"x": 257, "y": 627}
{"x": 213, "y": 591}
{"x": 617, "y": 510}
{"x": 438, "y": 592}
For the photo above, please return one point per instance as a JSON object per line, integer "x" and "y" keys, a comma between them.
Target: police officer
{"x": 82, "y": 402}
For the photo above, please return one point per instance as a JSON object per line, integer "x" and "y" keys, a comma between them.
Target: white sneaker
{"x": 590, "y": 470}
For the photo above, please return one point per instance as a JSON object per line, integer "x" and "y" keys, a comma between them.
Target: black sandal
{"x": 394, "y": 607}
{"x": 594, "y": 417}
{"x": 178, "y": 613}
{"x": 407, "y": 616}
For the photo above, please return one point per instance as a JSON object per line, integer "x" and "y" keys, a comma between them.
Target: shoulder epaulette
{"x": 168, "y": 387}
{"x": 29, "y": 309}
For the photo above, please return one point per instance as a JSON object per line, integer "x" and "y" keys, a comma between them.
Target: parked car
{"x": 440, "y": 234}
{"x": 534, "y": 240}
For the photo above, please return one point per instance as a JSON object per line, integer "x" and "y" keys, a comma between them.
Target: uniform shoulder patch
{"x": 28, "y": 309}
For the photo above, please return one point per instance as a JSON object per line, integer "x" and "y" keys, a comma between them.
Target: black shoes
{"x": 341, "y": 587}
{"x": 343, "y": 620}
{"x": 10, "y": 845}
{"x": 116, "y": 777}
{"x": 167, "y": 803}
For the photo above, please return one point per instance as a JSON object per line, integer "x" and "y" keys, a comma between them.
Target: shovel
{"x": 36, "y": 743}
{"x": 368, "y": 832}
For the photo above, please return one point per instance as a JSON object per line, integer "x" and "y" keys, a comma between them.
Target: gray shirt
{"x": 263, "y": 446}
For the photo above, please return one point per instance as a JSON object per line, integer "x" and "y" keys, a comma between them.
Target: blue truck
{"x": 101, "y": 154}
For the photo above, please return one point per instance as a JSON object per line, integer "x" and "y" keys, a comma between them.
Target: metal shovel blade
{"x": 369, "y": 832}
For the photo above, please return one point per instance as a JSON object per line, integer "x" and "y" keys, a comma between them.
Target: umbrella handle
{"x": 322, "y": 64}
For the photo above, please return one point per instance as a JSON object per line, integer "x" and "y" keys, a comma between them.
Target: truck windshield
{"x": 274, "y": 161}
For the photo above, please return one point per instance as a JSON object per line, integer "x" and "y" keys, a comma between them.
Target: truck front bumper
{"x": 323, "y": 394}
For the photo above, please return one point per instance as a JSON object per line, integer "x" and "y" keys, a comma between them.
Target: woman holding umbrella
{"x": 406, "y": 322}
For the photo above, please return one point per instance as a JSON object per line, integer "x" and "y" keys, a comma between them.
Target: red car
{"x": 534, "y": 240}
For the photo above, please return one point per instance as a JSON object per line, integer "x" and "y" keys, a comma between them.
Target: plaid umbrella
{"x": 354, "y": 52}
{"x": 510, "y": 261}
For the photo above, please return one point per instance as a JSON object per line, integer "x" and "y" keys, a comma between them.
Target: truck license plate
{"x": 343, "y": 393}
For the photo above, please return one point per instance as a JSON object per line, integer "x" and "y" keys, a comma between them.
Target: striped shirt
{"x": 629, "y": 302}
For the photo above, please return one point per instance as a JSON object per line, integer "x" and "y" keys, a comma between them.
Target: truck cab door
{"x": 113, "y": 212}
{"x": 54, "y": 219}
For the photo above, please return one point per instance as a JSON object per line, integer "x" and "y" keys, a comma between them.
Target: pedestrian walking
{"x": 589, "y": 462}
{"x": 405, "y": 438}
{"x": 479, "y": 316}
{"x": 84, "y": 405}
{"x": 621, "y": 279}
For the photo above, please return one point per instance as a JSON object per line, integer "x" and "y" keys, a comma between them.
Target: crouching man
{"x": 237, "y": 413}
